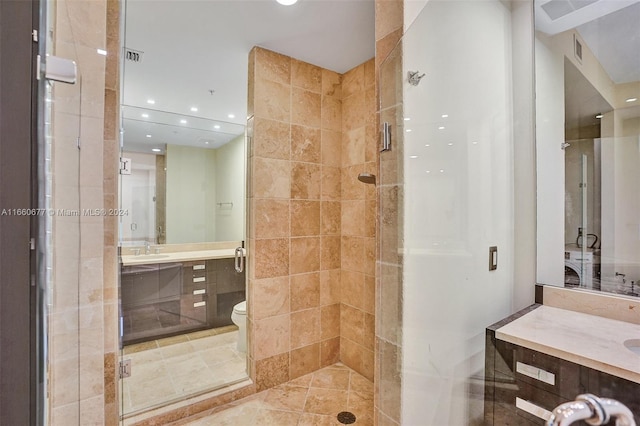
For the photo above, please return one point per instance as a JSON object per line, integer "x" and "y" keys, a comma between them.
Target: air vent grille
{"x": 558, "y": 8}
{"x": 133, "y": 55}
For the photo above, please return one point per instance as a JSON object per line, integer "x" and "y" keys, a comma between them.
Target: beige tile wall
{"x": 388, "y": 351}
{"x": 358, "y": 230}
{"x": 76, "y": 313}
{"x": 294, "y": 130}
{"x": 110, "y": 198}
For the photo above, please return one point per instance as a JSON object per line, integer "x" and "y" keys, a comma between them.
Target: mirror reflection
{"x": 588, "y": 144}
{"x": 185, "y": 181}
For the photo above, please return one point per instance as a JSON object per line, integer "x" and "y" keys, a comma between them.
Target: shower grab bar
{"x": 593, "y": 410}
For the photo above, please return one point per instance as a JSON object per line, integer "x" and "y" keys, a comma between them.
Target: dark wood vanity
{"x": 165, "y": 299}
{"x": 521, "y": 384}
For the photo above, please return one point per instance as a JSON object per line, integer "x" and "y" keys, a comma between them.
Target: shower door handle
{"x": 386, "y": 137}
{"x": 239, "y": 260}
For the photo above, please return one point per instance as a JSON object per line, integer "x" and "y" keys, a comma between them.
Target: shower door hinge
{"x": 125, "y": 166}
{"x": 32, "y": 244}
{"x": 34, "y": 35}
{"x": 386, "y": 137}
{"x": 125, "y": 368}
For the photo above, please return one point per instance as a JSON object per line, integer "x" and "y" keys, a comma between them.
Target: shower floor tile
{"x": 167, "y": 369}
{"x": 314, "y": 399}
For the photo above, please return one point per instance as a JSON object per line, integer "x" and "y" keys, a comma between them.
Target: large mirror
{"x": 588, "y": 144}
{"x": 184, "y": 178}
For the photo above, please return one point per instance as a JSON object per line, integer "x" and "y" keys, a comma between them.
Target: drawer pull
{"x": 536, "y": 373}
{"x": 198, "y": 267}
{"x": 199, "y": 279}
{"x": 199, "y": 304}
{"x": 533, "y": 409}
{"x": 201, "y": 291}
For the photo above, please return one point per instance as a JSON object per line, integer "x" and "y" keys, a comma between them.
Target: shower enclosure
{"x": 448, "y": 202}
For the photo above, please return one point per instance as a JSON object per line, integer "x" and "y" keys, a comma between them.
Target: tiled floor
{"x": 311, "y": 400}
{"x": 169, "y": 369}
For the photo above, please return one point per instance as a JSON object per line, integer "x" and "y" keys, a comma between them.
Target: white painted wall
{"x": 230, "y": 188}
{"x": 549, "y": 66}
{"x": 459, "y": 200}
{"x": 191, "y": 195}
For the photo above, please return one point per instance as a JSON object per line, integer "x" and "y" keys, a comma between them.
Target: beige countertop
{"x": 182, "y": 256}
{"x": 589, "y": 340}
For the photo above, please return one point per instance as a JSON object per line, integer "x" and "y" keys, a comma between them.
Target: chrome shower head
{"x": 367, "y": 178}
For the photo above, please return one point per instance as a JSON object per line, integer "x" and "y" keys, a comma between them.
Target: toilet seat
{"x": 240, "y": 308}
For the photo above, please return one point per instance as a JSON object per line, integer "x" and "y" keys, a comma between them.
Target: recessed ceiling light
{"x": 145, "y": 115}
{"x": 151, "y": 101}
{"x": 631, "y": 100}
{"x": 156, "y": 150}
{"x": 206, "y": 142}
{"x": 287, "y": 2}
{"x": 407, "y": 118}
{"x": 413, "y": 156}
{"x": 408, "y": 130}
{"x": 217, "y": 126}
{"x": 441, "y": 170}
{"x": 101, "y": 52}
{"x": 450, "y": 144}
{"x": 474, "y": 142}
{"x": 427, "y": 145}
{"x": 445, "y": 115}
{"x": 148, "y": 136}
{"x": 183, "y": 121}
{"x": 428, "y": 171}
{"x": 231, "y": 116}
{"x": 599, "y": 116}
{"x": 441, "y": 128}
{"x": 194, "y": 109}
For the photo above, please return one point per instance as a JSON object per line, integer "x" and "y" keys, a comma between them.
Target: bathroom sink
{"x": 633, "y": 345}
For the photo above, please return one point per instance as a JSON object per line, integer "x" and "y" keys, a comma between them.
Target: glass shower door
{"x": 447, "y": 203}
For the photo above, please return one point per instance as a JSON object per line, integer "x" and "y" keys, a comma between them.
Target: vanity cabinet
{"x": 523, "y": 385}
{"x": 212, "y": 288}
{"x": 161, "y": 300}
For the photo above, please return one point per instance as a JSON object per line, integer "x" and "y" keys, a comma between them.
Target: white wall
{"x": 191, "y": 195}
{"x": 453, "y": 216}
{"x": 230, "y": 188}
{"x": 550, "y": 177}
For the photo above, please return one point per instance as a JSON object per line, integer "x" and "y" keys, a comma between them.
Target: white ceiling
{"x": 608, "y": 27}
{"x": 192, "y": 47}
{"x": 615, "y": 40}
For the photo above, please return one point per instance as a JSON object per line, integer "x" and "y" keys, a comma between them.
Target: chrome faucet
{"x": 147, "y": 247}
{"x": 595, "y": 411}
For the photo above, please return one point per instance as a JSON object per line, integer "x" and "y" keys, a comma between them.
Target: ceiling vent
{"x": 133, "y": 55}
{"x": 558, "y": 8}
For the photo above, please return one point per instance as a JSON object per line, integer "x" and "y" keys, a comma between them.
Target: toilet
{"x": 239, "y": 318}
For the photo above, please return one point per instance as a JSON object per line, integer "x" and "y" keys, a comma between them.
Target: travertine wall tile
{"x": 327, "y": 237}
{"x": 388, "y": 283}
{"x": 358, "y": 218}
{"x": 304, "y": 360}
{"x": 294, "y": 218}
{"x": 305, "y": 291}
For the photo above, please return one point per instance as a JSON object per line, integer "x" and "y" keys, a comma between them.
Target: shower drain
{"x": 346, "y": 417}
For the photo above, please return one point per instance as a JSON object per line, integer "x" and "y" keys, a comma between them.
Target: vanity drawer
{"x": 193, "y": 309}
{"x": 521, "y": 403}
{"x": 549, "y": 373}
{"x": 196, "y": 266}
